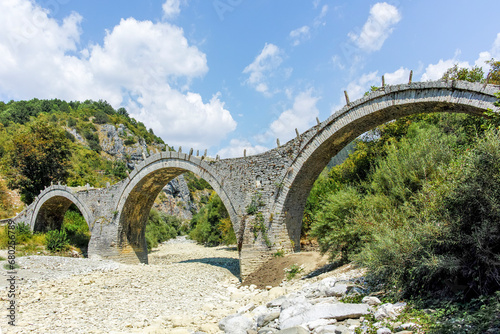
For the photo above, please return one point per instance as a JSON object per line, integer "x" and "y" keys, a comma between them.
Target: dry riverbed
{"x": 185, "y": 288}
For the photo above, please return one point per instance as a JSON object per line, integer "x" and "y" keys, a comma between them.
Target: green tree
{"x": 37, "y": 157}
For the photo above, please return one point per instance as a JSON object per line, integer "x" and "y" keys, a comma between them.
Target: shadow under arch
{"x": 327, "y": 139}
{"x": 51, "y": 207}
{"x": 144, "y": 185}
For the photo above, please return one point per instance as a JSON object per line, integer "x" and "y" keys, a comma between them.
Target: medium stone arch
{"x": 388, "y": 103}
{"x": 50, "y": 207}
{"x": 141, "y": 189}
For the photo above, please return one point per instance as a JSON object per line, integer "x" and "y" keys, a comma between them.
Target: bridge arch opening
{"x": 62, "y": 213}
{"x": 339, "y": 132}
{"x": 139, "y": 196}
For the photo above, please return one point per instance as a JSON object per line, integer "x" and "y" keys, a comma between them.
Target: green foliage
{"x": 333, "y": 228}
{"x": 161, "y": 227}
{"x": 57, "y": 241}
{"x": 293, "y": 271}
{"x": 196, "y": 183}
{"x": 259, "y": 227}
{"x": 475, "y": 74}
{"x": 255, "y": 204}
{"x": 130, "y": 141}
{"x": 481, "y": 315}
{"x": 71, "y": 122}
{"x": 494, "y": 74}
{"x": 279, "y": 253}
{"x": 37, "y": 156}
{"x": 76, "y": 228}
{"x": 101, "y": 117}
{"x": 23, "y": 232}
{"x": 211, "y": 225}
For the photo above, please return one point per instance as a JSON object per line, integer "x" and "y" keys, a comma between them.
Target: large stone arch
{"x": 51, "y": 205}
{"x": 141, "y": 189}
{"x": 325, "y": 140}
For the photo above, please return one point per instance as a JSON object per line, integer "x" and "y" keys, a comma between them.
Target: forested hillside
{"x": 75, "y": 143}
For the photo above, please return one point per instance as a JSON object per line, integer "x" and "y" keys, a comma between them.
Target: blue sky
{"x": 229, "y": 75}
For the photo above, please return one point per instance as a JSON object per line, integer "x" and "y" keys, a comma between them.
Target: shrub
{"x": 333, "y": 227}
{"x": 293, "y": 270}
{"x": 130, "y": 141}
{"x": 71, "y": 122}
{"x": 76, "y": 228}
{"x": 211, "y": 225}
{"x": 57, "y": 241}
{"x": 161, "y": 227}
{"x": 101, "y": 118}
{"x": 23, "y": 232}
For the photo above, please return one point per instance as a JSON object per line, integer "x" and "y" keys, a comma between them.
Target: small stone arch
{"x": 50, "y": 207}
{"x": 141, "y": 189}
{"x": 388, "y": 103}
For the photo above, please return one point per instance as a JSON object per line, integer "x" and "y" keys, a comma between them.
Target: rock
{"x": 389, "y": 310}
{"x": 237, "y": 296}
{"x": 293, "y": 330}
{"x": 267, "y": 330}
{"x": 384, "y": 330}
{"x": 408, "y": 325}
{"x": 246, "y": 308}
{"x": 301, "y": 314}
{"x": 179, "y": 321}
{"x": 372, "y": 301}
{"x": 337, "y": 291}
{"x": 276, "y": 292}
{"x": 179, "y": 331}
{"x": 209, "y": 328}
{"x": 235, "y": 324}
{"x": 327, "y": 329}
{"x": 263, "y": 320}
{"x": 276, "y": 302}
{"x": 312, "y": 325}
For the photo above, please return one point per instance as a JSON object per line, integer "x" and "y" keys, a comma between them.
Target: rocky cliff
{"x": 119, "y": 143}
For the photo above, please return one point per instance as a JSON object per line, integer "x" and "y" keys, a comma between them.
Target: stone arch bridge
{"x": 278, "y": 181}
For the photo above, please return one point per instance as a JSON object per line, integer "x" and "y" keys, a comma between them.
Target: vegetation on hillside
{"x": 38, "y": 144}
{"x": 418, "y": 204}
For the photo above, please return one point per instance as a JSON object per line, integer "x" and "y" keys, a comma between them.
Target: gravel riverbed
{"x": 186, "y": 288}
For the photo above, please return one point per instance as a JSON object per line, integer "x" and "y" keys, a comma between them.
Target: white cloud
{"x": 357, "y": 88}
{"x": 402, "y": 75}
{"x": 171, "y": 8}
{"x": 318, "y": 21}
{"x": 436, "y": 71}
{"x": 138, "y": 66}
{"x": 302, "y": 116}
{"x": 377, "y": 28}
{"x": 264, "y": 65}
{"x": 484, "y": 56}
{"x": 300, "y": 35}
{"x": 237, "y": 146}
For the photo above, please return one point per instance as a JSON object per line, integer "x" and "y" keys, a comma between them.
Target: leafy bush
{"x": 161, "y": 227}
{"x": 57, "y": 241}
{"x": 23, "y": 232}
{"x": 71, "y": 122}
{"x": 130, "y": 141}
{"x": 446, "y": 240}
{"x": 76, "y": 228}
{"x": 293, "y": 270}
{"x": 333, "y": 227}
{"x": 100, "y": 117}
{"x": 211, "y": 225}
